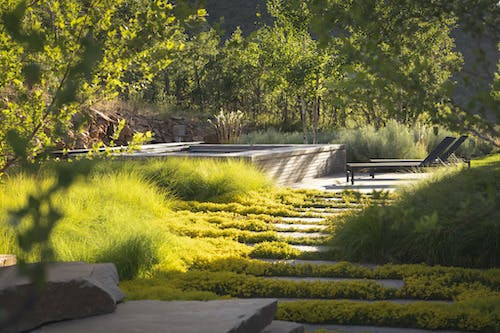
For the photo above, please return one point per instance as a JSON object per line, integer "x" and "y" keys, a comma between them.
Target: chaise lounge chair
{"x": 443, "y": 157}
{"x": 392, "y": 164}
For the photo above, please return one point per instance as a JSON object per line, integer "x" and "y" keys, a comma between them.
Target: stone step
{"x": 311, "y": 248}
{"x": 296, "y": 234}
{"x": 386, "y": 283}
{"x": 296, "y": 226}
{"x": 370, "y": 329}
{"x": 7, "y": 260}
{"x": 224, "y": 316}
{"x": 303, "y": 220}
{"x": 295, "y": 262}
{"x": 278, "y": 326}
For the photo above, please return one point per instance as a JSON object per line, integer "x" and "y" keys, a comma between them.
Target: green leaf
{"x": 17, "y": 142}
{"x": 32, "y": 73}
{"x": 12, "y": 21}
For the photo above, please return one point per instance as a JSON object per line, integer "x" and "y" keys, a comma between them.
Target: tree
{"x": 418, "y": 33}
{"x": 60, "y": 56}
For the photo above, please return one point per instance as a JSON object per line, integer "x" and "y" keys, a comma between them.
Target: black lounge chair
{"x": 392, "y": 164}
{"x": 443, "y": 157}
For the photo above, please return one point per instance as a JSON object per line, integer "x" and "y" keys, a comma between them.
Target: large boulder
{"x": 72, "y": 290}
{"x": 221, "y": 316}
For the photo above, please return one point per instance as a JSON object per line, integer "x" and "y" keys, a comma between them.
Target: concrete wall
{"x": 287, "y": 164}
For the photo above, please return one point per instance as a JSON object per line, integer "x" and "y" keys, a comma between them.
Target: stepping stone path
{"x": 297, "y": 227}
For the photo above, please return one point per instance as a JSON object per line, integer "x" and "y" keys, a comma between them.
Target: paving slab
{"x": 389, "y": 181}
{"x": 311, "y": 248}
{"x": 371, "y": 329}
{"x": 72, "y": 290}
{"x": 221, "y": 316}
{"x": 278, "y": 326}
{"x": 296, "y": 234}
{"x": 303, "y": 220}
{"x": 386, "y": 283}
{"x": 296, "y": 226}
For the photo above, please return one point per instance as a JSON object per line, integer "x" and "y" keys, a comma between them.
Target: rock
{"x": 72, "y": 290}
{"x": 278, "y": 326}
{"x": 221, "y": 316}
{"x": 7, "y": 260}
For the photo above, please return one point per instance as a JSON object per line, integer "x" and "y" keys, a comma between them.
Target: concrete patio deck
{"x": 364, "y": 183}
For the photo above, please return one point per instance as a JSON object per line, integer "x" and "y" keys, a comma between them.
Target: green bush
{"x": 453, "y": 218}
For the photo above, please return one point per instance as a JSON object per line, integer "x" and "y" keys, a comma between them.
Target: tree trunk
{"x": 315, "y": 112}
{"x": 303, "y": 117}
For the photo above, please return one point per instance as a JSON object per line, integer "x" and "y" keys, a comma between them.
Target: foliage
{"x": 228, "y": 126}
{"x": 60, "y": 57}
{"x": 469, "y": 317}
{"x": 451, "y": 219}
{"x": 203, "y": 179}
{"x": 395, "y": 140}
{"x": 120, "y": 214}
{"x": 274, "y": 250}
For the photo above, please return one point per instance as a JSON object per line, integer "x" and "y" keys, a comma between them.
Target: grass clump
{"x": 450, "y": 219}
{"x": 197, "y": 179}
{"x": 122, "y": 213}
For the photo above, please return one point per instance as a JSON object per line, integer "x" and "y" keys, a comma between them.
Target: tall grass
{"x": 201, "y": 179}
{"x": 395, "y": 140}
{"x": 121, "y": 212}
{"x": 453, "y": 218}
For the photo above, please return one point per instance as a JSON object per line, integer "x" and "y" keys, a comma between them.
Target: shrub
{"x": 450, "y": 219}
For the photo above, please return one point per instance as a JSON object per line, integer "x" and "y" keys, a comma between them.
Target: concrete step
{"x": 296, "y": 226}
{"x": 386, "y": 283}
{"x": 296, "y": 234}
{"x": 311, "y": 248}
{"x": 231, "y": 316}
{"x": 303, "y": 220}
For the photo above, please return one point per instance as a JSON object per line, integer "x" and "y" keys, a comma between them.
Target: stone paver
{"x": 303, "y": 220}
{"x": 294, "y": 234}
{"x": 311, "y": 248}
{"x": 364, "y": 183}
{"x": 296, "y": 226}
{"x": 222, "y": 316}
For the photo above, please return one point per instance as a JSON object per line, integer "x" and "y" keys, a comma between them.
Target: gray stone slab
{"x": 297, "y": 234}
{"x": 370, "y": 329}
{"x": 303, "y": 220}
{"x": 296, "y": 226}
{"x": 311, "y": 248}
{"x": 7, "y": 260}
{"x": 72, "y": 290}
{"x": 278, "y": 326}
{"x": 221, "y": 316}
{"x": 386, "y": 283}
